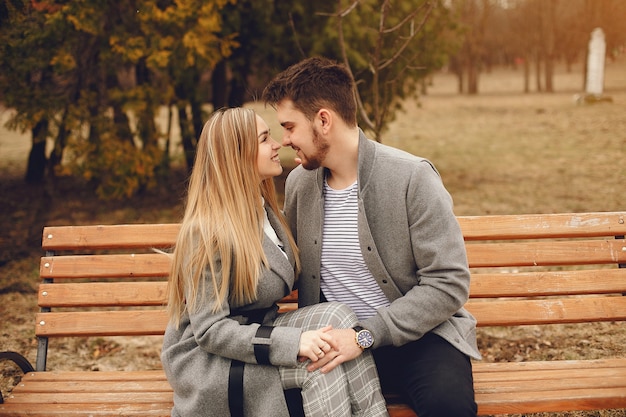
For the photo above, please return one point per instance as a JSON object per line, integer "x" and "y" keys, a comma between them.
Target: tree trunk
{"x": 237, "y": 95}
{"x": 196, "y": 120}
{"x": 526, "y": 75}
{"x": 472, "y": 79}
{"x": 36, "y": 167}
{"x": 186, "y": 137}
{"x": 59, "y": 146}
{"x": 122, "y": 124}
{"x": 538, "y": 73}
{"x": 549, "y": 45}
{"x": 146, "y": 126}
{"x": 219, "y": 83}
{"x": 549, "y": 73}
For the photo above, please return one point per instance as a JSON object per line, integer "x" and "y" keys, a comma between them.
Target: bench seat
{"x": 569, "y": 268}
{"x": 501, "y": 388}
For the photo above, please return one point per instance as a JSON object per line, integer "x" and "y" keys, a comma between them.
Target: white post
{"x": 595, "y": 63}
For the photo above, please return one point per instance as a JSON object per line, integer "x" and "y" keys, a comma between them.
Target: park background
{"x": 515, "y": 145}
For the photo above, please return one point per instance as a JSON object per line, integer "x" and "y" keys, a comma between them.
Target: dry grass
{"x": 515, "y": 153}
{"x": 500, "y": 152}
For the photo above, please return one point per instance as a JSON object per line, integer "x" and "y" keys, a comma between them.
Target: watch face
{"x": 365, "y": 339}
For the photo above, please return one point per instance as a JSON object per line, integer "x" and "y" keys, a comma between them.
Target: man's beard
{"x": 321, "y": 150}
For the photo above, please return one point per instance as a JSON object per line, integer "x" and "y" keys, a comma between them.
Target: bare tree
{"x": 394, "y": 58}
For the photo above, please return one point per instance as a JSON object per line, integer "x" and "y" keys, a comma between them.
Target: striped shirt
{"x": 344, "y": 275}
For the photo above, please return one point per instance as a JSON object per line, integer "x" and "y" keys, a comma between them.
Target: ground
{"x": 501, "y": 152}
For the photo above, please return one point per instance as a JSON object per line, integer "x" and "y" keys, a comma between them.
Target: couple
{"x": 370, "y": 234}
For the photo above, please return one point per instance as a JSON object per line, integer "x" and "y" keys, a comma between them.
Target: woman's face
{"x": 268, "y": 161}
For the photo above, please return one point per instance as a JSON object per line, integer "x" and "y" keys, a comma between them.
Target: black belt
{"x": 262, "y": 355}
{"x": 235, "y": 388}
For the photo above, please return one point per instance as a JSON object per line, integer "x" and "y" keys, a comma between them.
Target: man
{"x": 376, "y": 231}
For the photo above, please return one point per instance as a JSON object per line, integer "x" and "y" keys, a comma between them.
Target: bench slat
{"x": 545, "y": 283}
{"x": 518, "y": 284}
{"x": 94, "y": 294}
{"x": 101, "y": 323}
{"x": 105, "y": 266}
{"x": 514, "y": 368}
{"x": 526, "y": 226}
{"x": 573, "y": 381}
{"x": 109, "y": 236}
{"x": 532, "y": 226}
{"x": 156, "y": 409}
{"x": 516, "y": 254}
{"x": 514, "y": 396}
{"x": 61, "y": 377}
{"x": 492, "y": 313}
{"x": 547, "y": 311}
{"x": 552, "y": 283}
{"x": 546, "y": 253}
{"x": 118, "y": 397}
{"x": 76, "y": 386}
{"x": 487, "y": 382}
{"x": 590, "y": 398}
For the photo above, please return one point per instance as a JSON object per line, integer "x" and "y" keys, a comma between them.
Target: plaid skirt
{"x": 351, "y": 389}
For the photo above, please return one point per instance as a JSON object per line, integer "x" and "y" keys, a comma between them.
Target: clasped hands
{"x": 326, "y": 348}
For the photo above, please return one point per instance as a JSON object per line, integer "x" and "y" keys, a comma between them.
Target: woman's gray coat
{"x": 196, "y": 357}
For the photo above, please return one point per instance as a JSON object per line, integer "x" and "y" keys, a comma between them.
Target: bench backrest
{"x": 526, "y": 269}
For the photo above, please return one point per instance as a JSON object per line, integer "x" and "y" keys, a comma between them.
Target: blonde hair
{"x": 222, "y": 229}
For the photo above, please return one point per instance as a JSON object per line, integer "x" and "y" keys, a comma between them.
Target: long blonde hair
{"x": 222, "y": 228}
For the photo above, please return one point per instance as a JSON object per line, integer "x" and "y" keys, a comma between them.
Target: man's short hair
{"x": 315, "y": 83}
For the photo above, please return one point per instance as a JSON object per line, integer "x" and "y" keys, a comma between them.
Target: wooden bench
{"x": 100, "y": 281}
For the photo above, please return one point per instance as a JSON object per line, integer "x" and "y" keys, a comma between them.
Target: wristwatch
{"x": 364, "y": 338}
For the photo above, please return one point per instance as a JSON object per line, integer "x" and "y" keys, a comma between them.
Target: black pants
{"x": 431, "y": 375}
{"x": 294, "y": 402}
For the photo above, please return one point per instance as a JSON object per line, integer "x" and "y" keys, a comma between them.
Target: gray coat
{"x": 196, "y": 357}
{"x": 410, "y": 240}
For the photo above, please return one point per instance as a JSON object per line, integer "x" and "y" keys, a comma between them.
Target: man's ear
{"x": 325, "y": 119}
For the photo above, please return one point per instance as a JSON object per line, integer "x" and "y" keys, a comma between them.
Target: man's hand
{"x": 344, "y": 349}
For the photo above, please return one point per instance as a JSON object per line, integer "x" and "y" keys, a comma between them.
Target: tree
{"x": 27, "y": 83}
{"x": 271, "y": 34}
{"x": 76, "y": 70}
{"x": 467, "y": 63}
{"x": 390, "y": 47}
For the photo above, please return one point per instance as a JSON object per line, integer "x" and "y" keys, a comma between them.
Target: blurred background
{"x": 115, "y": 93}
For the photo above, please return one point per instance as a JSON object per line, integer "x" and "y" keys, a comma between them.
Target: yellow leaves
{"x": 132, "y": 49}
{"x": 228, "y": 44}
{"x": 125, "y": 169}
{"x": 159, "y": 59}
{"x": 83, "y": 19}
{"x": 119, "y": 169}
{"x": 63, "y": 60}
{"x": 209, "y": 22}
{"x": 189, "y": 30}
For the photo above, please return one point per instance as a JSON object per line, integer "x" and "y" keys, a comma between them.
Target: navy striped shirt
{"x": 344, "y": 275}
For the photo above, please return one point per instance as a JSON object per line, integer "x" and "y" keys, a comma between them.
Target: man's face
{"x": 301, "y": 134}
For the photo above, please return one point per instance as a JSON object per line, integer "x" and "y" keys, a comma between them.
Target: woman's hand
{"x": 315, "y": 344}
{"x": 344, "y": 349}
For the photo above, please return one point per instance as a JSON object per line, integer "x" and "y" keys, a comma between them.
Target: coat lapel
{"x": 281, "y": 265}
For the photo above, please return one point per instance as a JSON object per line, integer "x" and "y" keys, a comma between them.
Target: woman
{"x": 226, "y": 350}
